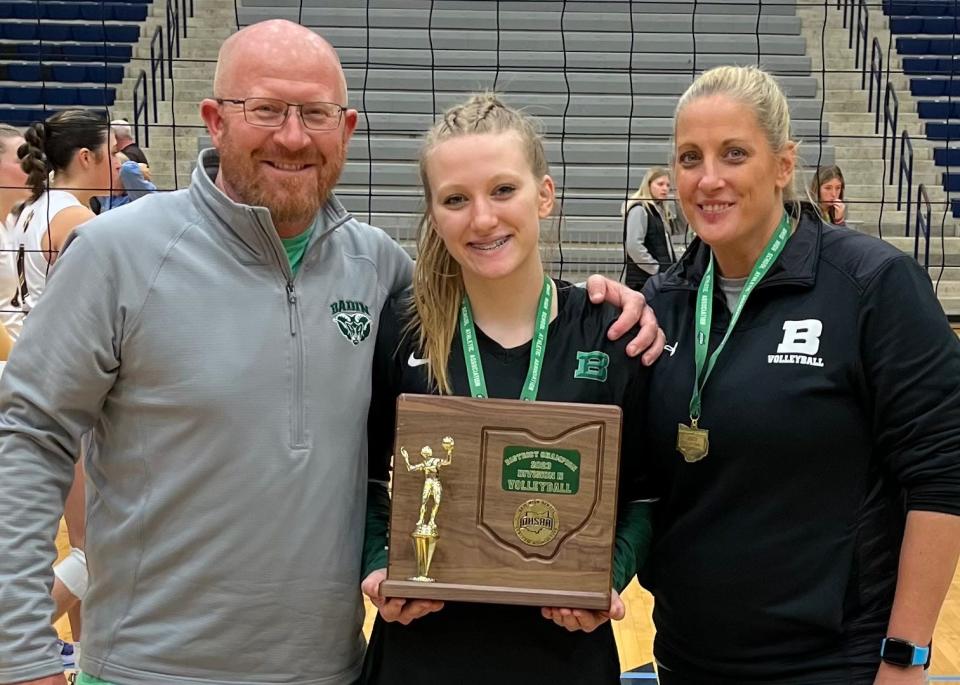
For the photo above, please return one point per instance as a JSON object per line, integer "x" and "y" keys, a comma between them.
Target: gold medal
{"x": 692, "y": 442}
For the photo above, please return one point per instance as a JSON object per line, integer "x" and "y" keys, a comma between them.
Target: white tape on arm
{"x": 72, "y": 572}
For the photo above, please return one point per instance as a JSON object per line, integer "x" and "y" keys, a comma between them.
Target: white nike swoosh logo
{"x": 672, "y": 349}
{"x": 415, "y": 361}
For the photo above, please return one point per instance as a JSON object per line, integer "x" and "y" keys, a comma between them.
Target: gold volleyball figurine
{"x": 425, "y": 533}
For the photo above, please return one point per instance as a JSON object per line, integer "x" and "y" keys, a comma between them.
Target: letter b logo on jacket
{"x": 801, "y": 337}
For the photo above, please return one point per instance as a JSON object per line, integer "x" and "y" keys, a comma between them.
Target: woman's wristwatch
{"x": 904, "y": 653}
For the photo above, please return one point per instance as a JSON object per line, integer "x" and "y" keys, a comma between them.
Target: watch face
{"x": 897, "y": 652}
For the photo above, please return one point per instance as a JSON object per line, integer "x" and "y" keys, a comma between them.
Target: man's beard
{"x": 290, "y": 201}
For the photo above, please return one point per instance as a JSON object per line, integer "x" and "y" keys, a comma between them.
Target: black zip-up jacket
{"x": 833, "y": 409}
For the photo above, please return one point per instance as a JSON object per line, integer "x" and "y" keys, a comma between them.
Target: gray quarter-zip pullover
{"x": 226, "y": 480}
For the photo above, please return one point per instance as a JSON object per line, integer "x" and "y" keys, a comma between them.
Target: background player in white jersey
{"x": 77, "y": 147}
{"x": 68, "y": 159}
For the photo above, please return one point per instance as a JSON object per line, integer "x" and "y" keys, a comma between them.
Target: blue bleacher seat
{"x": 943, "y": 26}
{"x": 938, "y": 109}
{"x": 69, "y": 73}
{"x": 88, "y": 10}
{"x": 64, "y": 73}
{"x": 60, "y": 96}
{"x": 951, "y": 182}
{"x": 98, "y": 73}
{"x": 931, "y": 64}
{"x": 111, "y": 33}
{"x": 96, "y": 97}
{"x": 66, "y": 52}
{"x": 934, "y": 87}
{"x": 60, "y": 11}
{"x": 21, "y": 116}
{"x": 36, "y": 95}
{"x": 942, "y": 130}
{"x": 915, "y": 7}
{"x": 927, "y": 46}
{"x": 955, "y": 206}
{"x": 947, "y": 157}
{"x": 50, "y": 31}
{"x": 24, "y": 72}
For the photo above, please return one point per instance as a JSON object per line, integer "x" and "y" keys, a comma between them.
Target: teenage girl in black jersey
{"x": 487, "y": 187}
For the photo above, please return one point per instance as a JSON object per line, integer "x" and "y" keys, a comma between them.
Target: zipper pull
{"x": 292, "y": 300}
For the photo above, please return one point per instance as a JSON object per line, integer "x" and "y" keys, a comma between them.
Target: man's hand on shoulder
{"x": 650, "y": 340}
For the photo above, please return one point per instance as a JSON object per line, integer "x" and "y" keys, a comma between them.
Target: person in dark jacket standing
{"x": 648, "y": 228}
{"x": 806, "y": 430}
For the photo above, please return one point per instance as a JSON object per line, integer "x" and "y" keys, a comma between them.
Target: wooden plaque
{"x": 528, "y": 501}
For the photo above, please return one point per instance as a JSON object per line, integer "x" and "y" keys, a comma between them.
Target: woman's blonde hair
{"x": 757, "y": 90}
{"x": 437, "y": 281}
{"x": 645, "y": 196}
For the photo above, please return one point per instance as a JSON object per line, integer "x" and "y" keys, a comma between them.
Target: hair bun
{"x": 36, "y": 134}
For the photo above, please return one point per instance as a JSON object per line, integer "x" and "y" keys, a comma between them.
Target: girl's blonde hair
{"x": 759, "y": 91}
{"x": 645, "y": 196}
{"x": 437, "y": 281}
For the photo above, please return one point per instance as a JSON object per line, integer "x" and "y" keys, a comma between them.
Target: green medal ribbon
{"x": 704, "y": 313}
{"x": 538, "y": 347}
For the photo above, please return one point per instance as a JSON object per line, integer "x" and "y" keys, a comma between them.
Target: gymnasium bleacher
{"x": 60, "y": 54}
{"x": 567, "y": 63}
{"x": 927, "y": 41}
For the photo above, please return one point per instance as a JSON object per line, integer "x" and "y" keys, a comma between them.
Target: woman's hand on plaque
{"x": 585, "y": 619}
{"x": 396, "y": 609}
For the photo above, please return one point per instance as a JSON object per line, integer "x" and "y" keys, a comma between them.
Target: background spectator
{"x": 130, "y": 182}
{"x": 125, "y": 142}
{"x": 649, "y": 224}
{"x": 827, "y": 187}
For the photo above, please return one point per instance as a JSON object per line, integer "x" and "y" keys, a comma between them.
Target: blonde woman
{"x": 479, "y": 274}
{"x": 805, "y": 429}
{"x": 648, "y": 227}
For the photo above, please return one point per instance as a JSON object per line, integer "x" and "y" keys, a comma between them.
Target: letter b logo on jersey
{"x": 801, "y": 337}
{"x": 592, "y": 366}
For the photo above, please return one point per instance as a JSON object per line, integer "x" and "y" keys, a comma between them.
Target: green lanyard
{"x": 704, "y": 313}
{"x": 538, "y": 347}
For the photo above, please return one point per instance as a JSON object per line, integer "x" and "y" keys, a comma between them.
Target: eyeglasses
{"x": 317, "y": 116}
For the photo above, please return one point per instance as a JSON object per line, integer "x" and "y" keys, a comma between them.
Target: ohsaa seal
{"x": 536, "y": 522}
